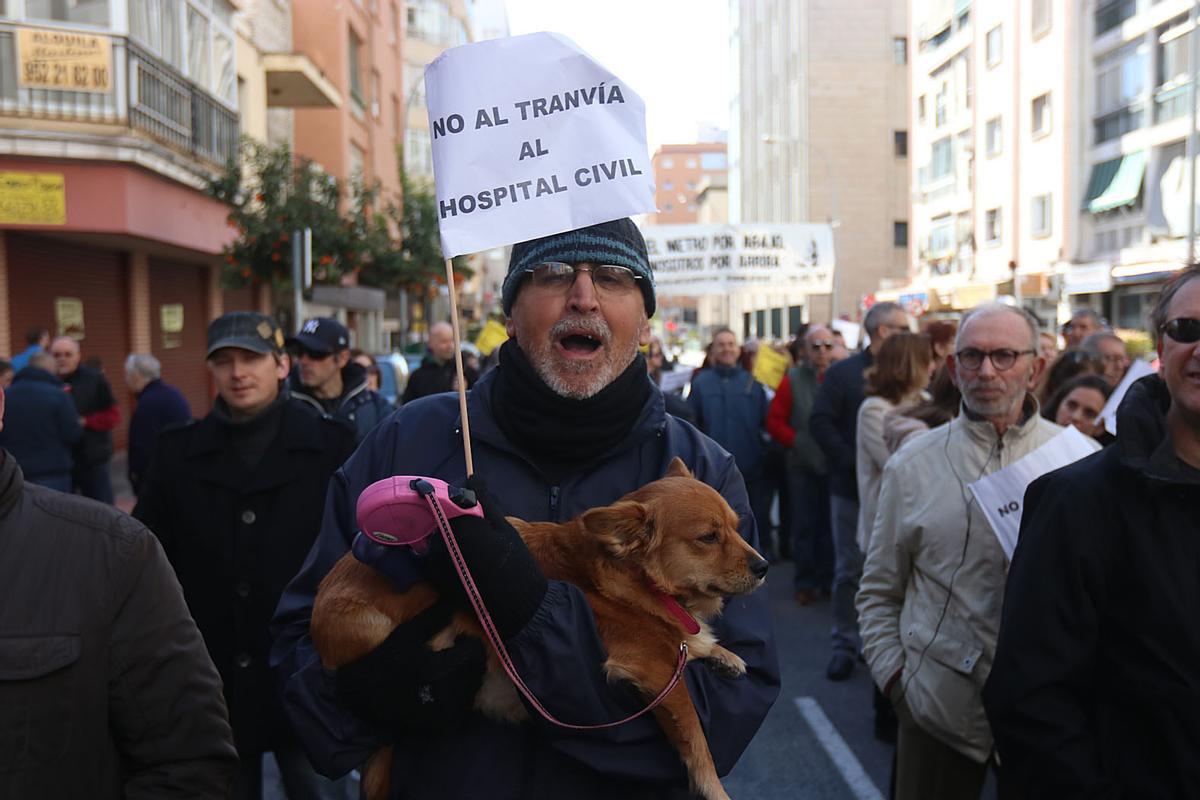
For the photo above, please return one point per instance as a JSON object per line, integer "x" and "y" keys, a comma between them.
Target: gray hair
{"x": 1158, "y": 315}
{"x": 1085, "y": 311}
{"x": 42, "y": 360}
{"x": 878, "y": 313}
{"x": 996, "y": 307}
{"x": 143, "y": 364}
{"x": 1092, "y": 343}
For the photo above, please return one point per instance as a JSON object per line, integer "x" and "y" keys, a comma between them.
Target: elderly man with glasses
{"x": 567, "y": 421}
{"x": 933, "y": 583}
{"x": 1094, "y": 690}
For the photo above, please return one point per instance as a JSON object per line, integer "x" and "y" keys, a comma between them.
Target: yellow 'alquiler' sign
{"x": 64, "y": 60}
{"x": 33, "y": 198}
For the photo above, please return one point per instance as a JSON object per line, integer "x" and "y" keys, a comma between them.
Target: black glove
{"x": 508, "y": 578}
{"x": 407, "y": 689}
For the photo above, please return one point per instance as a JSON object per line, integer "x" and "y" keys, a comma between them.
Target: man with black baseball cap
{"x": 329, "y": 381}
{"x": 236, "y": 500}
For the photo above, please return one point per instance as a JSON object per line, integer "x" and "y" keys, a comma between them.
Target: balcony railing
{"x": 1171, "y": 102}
{"x": 147, "y": 95}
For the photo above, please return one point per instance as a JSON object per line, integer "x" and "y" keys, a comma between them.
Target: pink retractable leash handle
{"x": 390, "y": 512}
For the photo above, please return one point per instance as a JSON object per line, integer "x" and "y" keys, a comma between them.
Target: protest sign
{"x": 492, "y": 336}
{"x": 694, "y": 260}
{"x": 851, "y": 332}
{"x": 532, "y": 137}
{"x": 1108, "y": 416}
{"x": 1001, "y": 495}
{"x": 769, "y": 367}
{"x": 675, "y": 380}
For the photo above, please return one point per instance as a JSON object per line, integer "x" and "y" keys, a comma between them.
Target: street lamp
{"x": 833, "y": 219}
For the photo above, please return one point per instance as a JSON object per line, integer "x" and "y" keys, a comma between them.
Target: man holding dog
{"x": 568, "y": 421}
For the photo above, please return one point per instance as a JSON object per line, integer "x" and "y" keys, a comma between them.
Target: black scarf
{"x": 557, "y": 432}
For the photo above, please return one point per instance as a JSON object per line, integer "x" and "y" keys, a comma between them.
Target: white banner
{"x": 692, "y": 260}
{"x": 1001, "y": 495}
{"x": 532, "y": 137}
{"x": 1108, "y": 417}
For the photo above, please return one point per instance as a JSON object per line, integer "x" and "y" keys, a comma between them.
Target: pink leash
{"x": 493, "y": 635}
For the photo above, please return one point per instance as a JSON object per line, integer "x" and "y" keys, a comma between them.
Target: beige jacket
{"x": 933, "y": 583}
{"x": 871, "y": 453}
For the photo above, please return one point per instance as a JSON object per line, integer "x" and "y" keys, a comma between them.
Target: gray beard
{"x": 557, "y": 373}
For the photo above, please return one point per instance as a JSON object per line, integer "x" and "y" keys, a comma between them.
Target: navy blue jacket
{"x": 40, "y": 425}
{"x": 159, "y": 406}
{"x": 559, "y": 653}
{"x": 834, "y": 420}
{"x": 731, "y": 407}
{"x": 359, "y": 407}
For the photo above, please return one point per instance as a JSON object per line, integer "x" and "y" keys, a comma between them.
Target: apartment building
{"x": 820, "y": 134}
{"x": 996, "y": 111}
{"x": 1134, "y": 210}
{"x": 679, "y": 171}
{"x": 112, "y": 116}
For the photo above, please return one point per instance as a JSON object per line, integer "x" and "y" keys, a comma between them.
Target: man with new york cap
{"x": 329, "y": 381}
{"x": 236, "y": 499}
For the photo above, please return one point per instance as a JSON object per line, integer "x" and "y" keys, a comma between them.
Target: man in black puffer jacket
{"x": 1094, "y": 691}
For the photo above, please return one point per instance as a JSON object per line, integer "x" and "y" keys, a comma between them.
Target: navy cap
{"x": 246, "y": 330}
{"x": 322, "y": 335}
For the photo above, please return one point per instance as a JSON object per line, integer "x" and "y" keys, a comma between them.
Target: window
{"x": 375, "y": 110}
{"x": 941, "y": 236}
{"x": 358, "y": 162}
{"x": 995, "y": 137}
{"x": 900, "y": 234}
{"x": 155, "y": 24}
{"x": 1112, "y": 13}
{"x": 667, "y": 162}
{"x": 939, "y": 104}
{"x": 1040, "y": 19}
{"x": 1039, "y": 216}
{"x": 713, "y": 161}
{"x": 355, "y": 68}
{"x": 900, "y": 50}
{"x": 1041, "y": 115}
{"x": 418, "y": 157}
{"x": 1120, "y": 83}
{"x": 88, "y": 13}
{"x": 397, "y": 123}
{"x": 991, "y": 227}
{"x": 691, "y": 163}
{"x": 921, "y": 108}
{"x": 942, "y": 162}
{"x": 432, "y": 21}
{"x": 995, "y": 46}
{"x": 668, "y": 186}
{"x": 691, "y": 186}
{"x": 900, "y": 143}
{"x": 1173, "y": 51}
{"x": 669, "y": 207}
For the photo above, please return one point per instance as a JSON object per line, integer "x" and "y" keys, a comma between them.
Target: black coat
{"x": 434, "y": 377}
{"x": 236, "y": 536}
{"x": 40, "y": 425}
{"x": 1095, "y": 690}
{"x": 159, "y": 406}
{"x": 91, "y": 393}
{"x": 106, "y": 690}
{"x": 834, "y": 420}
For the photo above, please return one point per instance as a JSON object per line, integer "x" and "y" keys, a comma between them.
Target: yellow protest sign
{"x": 65, "y": 60}
{"x": 770, "y": 367}
{"x": 492, "y": 336}
{"x": 33, "y": 198}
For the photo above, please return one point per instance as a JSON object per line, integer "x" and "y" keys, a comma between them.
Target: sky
{"x": 674, "y": 53}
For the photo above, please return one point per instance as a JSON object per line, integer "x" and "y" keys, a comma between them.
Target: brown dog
{"x": 676, "y": 535}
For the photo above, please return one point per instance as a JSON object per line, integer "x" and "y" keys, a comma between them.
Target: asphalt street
{"x": 817, "y": 742}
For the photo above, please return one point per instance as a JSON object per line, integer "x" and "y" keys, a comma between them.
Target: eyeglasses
{"x": 825, "y": 345}
{"x": 1185, "y": 330}
{"x": 607, "y": 278}
{"x": 972, "y": 358}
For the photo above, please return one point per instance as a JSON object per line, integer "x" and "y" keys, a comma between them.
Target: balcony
{"x": 147, "y": 96}
{"x": 1171, "y": 102}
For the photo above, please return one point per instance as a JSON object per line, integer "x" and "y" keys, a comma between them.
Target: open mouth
{"x": 579, "y": 344}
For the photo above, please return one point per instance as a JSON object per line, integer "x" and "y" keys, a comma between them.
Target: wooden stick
{"x": 462, "y": 382}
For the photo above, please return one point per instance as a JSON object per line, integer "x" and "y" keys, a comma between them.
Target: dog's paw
{"x": 726, "y": 663}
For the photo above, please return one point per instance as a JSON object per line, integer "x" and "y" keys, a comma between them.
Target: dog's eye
{"x": 709, "y": 538}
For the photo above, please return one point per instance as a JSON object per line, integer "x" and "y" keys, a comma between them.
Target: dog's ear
{"x": 677, "y": 469}
{"x": 624, "y": 528}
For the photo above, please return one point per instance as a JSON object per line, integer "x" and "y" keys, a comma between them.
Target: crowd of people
{"x": 1065, "y": 673}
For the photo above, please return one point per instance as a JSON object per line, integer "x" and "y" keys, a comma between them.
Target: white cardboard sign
{"x": 1001, "y": 495}
{"x": 694, "y": 260}
{"x": 1108, "y": 417}
{"x": 532, "y": 137}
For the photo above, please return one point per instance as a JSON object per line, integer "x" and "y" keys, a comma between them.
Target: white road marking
{"x": 839, "y": 752}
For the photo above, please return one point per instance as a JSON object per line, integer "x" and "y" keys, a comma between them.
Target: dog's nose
{"x": 759, "y": 566}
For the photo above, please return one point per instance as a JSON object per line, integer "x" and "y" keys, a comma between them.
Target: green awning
{"x": 1115, "y": 183}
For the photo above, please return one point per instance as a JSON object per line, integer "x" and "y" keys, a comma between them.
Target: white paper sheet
{"x": 1108, "y": 417}
{"x": 531, "y": 137}
{"x": 1001, "y": 495}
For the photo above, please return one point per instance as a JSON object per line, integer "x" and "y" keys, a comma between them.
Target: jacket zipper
{"x": 554, "y": 503}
